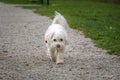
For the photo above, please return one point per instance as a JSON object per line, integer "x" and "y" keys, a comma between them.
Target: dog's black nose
{"x": 58, "y": 46}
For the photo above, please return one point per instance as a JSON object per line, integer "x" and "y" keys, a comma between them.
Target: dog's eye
{"x": 54, "y": 40}
{"x": 61, "y": 39}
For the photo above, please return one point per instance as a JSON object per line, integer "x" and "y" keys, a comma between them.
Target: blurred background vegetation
{"x": 38, "y": 1}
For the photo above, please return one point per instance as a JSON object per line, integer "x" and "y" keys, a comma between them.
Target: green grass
{"x": 99, "y": 21}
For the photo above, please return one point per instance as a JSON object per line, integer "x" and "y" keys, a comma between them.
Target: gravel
{"x": 23, "y": 52}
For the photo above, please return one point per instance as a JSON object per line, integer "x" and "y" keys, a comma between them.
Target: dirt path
{"x": 23, "y": 56}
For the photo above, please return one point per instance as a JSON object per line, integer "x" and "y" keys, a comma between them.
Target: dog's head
{"x": 58, "y": 40}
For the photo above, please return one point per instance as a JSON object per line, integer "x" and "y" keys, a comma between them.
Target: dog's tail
{"x": 59, "y": 19}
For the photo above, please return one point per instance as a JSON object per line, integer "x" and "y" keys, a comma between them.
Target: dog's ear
{"x": 51, "y": 35}
{"x": 66, "y": 39}
{"x": 48, "y": 37}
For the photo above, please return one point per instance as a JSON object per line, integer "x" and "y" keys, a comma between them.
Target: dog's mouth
{"x": 59, "y": 49}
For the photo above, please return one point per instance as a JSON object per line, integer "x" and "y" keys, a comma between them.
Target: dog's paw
{"x": 60, "y": 62}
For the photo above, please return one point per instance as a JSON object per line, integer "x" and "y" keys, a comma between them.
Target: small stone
{"x": 70, "y": 69}
{"x": 5, "y": 51}
{"x": 82, "y": 68}
{"x": 27, "y": 64}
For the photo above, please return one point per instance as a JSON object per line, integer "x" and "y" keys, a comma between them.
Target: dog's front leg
{"x": 52, "y": 55}
{"x": 59, "y": 58}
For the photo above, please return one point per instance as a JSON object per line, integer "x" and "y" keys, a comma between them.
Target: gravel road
{"x": 23, "y": 52}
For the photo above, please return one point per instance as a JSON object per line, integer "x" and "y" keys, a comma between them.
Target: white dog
{"x": 56, "y": 38}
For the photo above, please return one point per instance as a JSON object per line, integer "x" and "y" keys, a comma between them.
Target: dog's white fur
{"x": 56, "y": 38}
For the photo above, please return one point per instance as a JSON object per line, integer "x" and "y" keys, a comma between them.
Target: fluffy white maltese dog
{"x": 56, "y": 38}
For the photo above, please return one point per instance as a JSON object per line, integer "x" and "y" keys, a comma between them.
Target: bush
{"x": 111, "y": 1}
